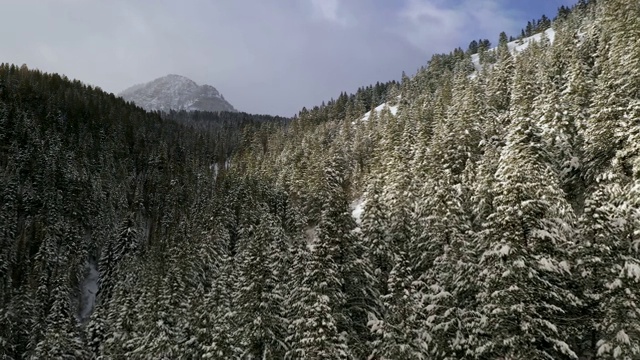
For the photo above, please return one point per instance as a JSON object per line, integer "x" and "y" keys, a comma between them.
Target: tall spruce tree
{"x": 525, "y": 257}
{"x": 260, "y": 290}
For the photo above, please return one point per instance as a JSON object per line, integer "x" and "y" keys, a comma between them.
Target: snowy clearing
{"x": 378, "y": 109}
{"x": 517, "y": 46}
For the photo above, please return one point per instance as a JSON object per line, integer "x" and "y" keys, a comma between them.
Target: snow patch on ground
{"x": 516, "y": 46}
{"x": 311, "y": 236}
{"x": 89, "y": 289}
{"x": 357, "y": 208}
{"x": 378, "y": 109}
{"x": 519, "y": 46}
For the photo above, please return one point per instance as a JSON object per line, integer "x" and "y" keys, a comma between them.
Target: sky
{"x": 265, "y": 56}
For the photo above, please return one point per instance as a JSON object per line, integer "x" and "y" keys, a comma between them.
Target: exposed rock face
{"x": 175, "y": 92}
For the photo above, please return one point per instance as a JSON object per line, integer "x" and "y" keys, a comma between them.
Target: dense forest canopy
{"x": 480, "y": 210}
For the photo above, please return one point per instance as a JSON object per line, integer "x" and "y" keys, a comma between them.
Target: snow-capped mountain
{"x": 178, "y": 93}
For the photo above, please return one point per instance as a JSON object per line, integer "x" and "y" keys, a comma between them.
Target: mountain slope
{"x": 496, "y": 215}
{"x": 517, "y": 46}
{"x": 178, "y": 93}
{"x": 126, "y": 175}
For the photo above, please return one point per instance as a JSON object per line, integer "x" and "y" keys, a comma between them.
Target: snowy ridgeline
{"x": 514, "y": 47}
{"x": 517, "y": 46}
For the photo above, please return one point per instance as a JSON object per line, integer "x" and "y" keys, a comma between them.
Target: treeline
{"x": 534, "y": 26}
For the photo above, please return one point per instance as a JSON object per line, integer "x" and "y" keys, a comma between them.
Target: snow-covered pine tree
{"x": 375, "y": 237}
{"x": 616, "y": 88}
{"x": 560, "y": 128}
{"x": 215, "y": 328}
{"x": 162, "y": 324}
{"x": 598, "y": 225}
{"x": 258, "y": 300}
{"x": 525, "y": 253}
{"x": 122, "y": 315}
{"x": 448, "y": 287}
{"x": 124, "y": 242}
{"x": 61, "y": 340}
{"x": 397, "y": 330}
{"x": 575, "y": 96}
{"x": 320, "y": 318}
{"x": 95, "y": 332}
{"x": 500, "y": 80}
{"x": 338, "y": 279}
{"x": 456, "y": 144}
{"x": 609, "y": 270}
{"x": 315, "y": 303}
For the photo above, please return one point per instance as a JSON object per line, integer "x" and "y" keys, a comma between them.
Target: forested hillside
{"x": 490, "y": 210}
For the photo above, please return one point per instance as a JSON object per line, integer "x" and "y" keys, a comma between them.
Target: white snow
{"x": 617, "y": 352}
{"x": 603, "y": 349}
{"x": 216, "y": 169}
{"x": 175, "y": 92}
{"x": 622, "y": 337}
{"x": 633, "y": 270}
{"x": 519, "y": 263}
{"x": 517, "y": 46}
{"x": 564, "y": 265}
{"x": 505, "y": 250}
{"x": 89, "y": 289}
{"x": 475, "y": 60}
{"x": 311, "y": 236}
{"x": 572, "y": 164}
{"x": 547, "y": 265}
{"x": 542, "y": 234}
{"x": 613, "y": 285}
{"x": 550, "y": 325}
{"x": 357, "y": 209}
{"x": 378, "y": 109}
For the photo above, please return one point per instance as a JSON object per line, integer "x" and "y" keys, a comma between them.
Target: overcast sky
{"x": 264, "y": 56}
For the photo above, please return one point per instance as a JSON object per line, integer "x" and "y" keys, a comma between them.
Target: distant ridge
{"x": 176, "y": 92}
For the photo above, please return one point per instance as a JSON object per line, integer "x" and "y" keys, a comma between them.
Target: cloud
{"x": 328, "y": 10}
{"x": 47, "y": 53}
{"x": 267, "y": 56}
{"x": 439, "y": 26}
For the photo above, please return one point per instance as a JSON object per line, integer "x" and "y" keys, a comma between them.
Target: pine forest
{"x": 487, "y": 207}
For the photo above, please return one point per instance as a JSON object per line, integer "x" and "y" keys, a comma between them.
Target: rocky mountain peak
{"x": 176, "y": 92}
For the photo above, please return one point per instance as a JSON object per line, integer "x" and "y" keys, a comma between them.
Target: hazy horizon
{"x": 269, "y": 57}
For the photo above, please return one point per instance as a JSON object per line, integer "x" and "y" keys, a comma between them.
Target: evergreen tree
{"x": 617, "y": 86}
{"x": 525, "y": 260}
{"x": 375, "y": 236}
{"x": 316, "y": 301}
{"x": 499, "y": 86}
{"x": 61, "y": 339}
{"x": 261, "y": 278}
{"x": 397, "y": 331}
{"x": 449, "y": 284}
{"x": 608, "y": 270}
{"x": 215, "y": 329}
